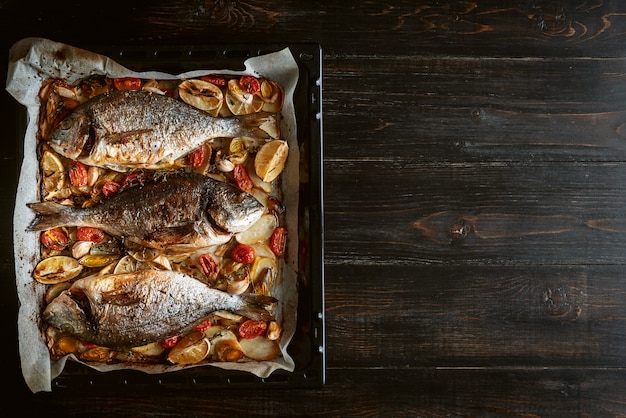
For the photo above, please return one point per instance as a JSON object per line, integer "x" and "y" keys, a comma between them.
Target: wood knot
{"x": 459, "y": 230}
{"x": 562, "y": 303}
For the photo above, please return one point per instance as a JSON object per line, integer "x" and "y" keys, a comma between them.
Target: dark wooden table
{"x": 475, "y": 203}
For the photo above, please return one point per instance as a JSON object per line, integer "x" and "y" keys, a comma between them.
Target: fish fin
{"x": 120, "y": 297}
{"x": 254, "y": 306}
{"x": 173, "y": 235}
{"x": 127, "y": 136}
{"x": 261, "y": 125}
{"x": 50, "y": 216}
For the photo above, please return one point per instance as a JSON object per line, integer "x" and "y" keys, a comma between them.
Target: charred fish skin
{"x": 132, "y": 309}
{"x": 182, "y": 211}
{"x": 127, "y": 129}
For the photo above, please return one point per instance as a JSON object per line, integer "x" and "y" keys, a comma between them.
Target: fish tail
{"x": 254, "y": 307}
{"x": 50, "y": 215}
{"x": 262, "y": 125}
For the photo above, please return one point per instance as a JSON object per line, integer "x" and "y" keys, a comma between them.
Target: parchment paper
{"x": 34, "y": 60}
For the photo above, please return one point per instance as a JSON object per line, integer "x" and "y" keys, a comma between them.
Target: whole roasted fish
{"x": 180, "y": 212}
{"x": 133, "y": 309}
{"x": 124, "y": 130}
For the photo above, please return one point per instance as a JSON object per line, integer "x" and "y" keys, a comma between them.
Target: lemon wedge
{"x": 270, "y": 160}
{"x": 53, "y": 175}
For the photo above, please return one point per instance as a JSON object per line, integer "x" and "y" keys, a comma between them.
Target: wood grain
{"x": 474, "y": 168}
{"x": 391, "y": 212}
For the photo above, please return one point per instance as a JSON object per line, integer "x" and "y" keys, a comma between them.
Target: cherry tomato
{"x": 278, "y": 240}
{"x": 133, "y": 179}
{"x": 214, "y": 79}
{"x": 251, "y": 328}
{"x": 170, "y": 341}
{"x": 209, "y": 266}
{"x": 78, "y": 174}
{"x": 127, "y": 83}
{"x": 55, "y": 239}
{"x": 196, "y": 158}
{"x": 242, "y": 178}
{"x": 243, "y": 254}
{"x": 206, "y": 324}
{"x": 249, "y": 84}
{"x": 88, "y": 233}
{"x": 110, "y": 188}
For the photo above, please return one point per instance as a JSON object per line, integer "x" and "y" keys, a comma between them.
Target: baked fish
{"x": 124, "y": 130}
{"x": 179, "y": 212}
{"x": 133, "y": 309}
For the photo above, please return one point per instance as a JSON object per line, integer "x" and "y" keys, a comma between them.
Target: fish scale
{"x": 181, "y": 212}
{"x": 133, "y": 309}
{"x": 123, "y": 130}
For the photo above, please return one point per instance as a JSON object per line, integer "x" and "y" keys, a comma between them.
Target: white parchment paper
{"x": 34, "y": 60}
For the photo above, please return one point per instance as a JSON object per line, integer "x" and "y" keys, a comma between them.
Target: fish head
{"x": 70, "y": 316}
{"x": 73, "y": 134}
{"x": 234, "y": 210}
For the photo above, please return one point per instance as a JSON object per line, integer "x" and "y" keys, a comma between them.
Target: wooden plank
{"x": 465, "y": 316}
{"x": 476, "y": 109}
{"x": 370, "y": 392}
{"x": 399, "y": 212}
{"x": 487, "y": 28}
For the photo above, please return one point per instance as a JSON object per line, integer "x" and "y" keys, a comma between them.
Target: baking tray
{"x": 307, "y": 346}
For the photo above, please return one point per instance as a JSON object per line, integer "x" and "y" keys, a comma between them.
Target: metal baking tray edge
{"x": 307, "y": 347}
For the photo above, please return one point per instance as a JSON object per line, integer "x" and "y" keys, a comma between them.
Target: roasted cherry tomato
{"x": 243, "y": 254}
{"x": 89, "y": 345}
{"x": 110, "y": 188}
{"x": 196, "y": 157}
{"x": 206, "y": 324}
{"x": 127, "y": 83}
{"x": 54, "y": 239}
{"x": 78, "y": 174}
{"x": 88, "y": 233}
{"x": 242, "y": 178}
{"x": 214, "y": 79}
{"x": 251, "y": 328}
{"x": 170, "y": 341}
{"x": 133, "y": 179}
{"x": 249, "y": 84}
{"x": 278, "y": 240}
{"x": 209, "y": 266}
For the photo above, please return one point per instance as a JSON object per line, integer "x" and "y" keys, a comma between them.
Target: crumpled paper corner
{"x": 34, "y": 60}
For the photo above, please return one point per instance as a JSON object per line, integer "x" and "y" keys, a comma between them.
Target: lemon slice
{"x": 57, "y": 269}
{"x": 51, "y": 163}
{"x": 240, "y": 102}
{"x": 126, "y": 265}
{"x": 191, "y": 349}
{"x": 202, "y": 95}
{"x": 53, "y": 175}
{"x": 270, "y": 160}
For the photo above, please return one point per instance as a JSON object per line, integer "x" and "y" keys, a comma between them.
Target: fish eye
{"x": 67, "y": 328}
{"x": 65, "y": 124}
